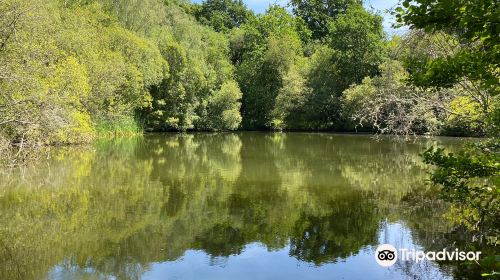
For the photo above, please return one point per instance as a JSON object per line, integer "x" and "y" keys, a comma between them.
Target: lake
{"x": 245, "y": 205}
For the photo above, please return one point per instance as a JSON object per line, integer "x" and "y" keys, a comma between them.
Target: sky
{"x": 380, "y": 6}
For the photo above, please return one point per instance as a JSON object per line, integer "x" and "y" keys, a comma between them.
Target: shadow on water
{"x": 223, "y": 206}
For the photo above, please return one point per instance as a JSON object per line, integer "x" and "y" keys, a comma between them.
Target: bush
{"x": 470, "y": 180}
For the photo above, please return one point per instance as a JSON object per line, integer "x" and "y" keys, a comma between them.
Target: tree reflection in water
{"x": 128, "y": 208}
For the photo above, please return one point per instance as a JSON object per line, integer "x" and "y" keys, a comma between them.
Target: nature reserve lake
{"x": 247, "y": 205}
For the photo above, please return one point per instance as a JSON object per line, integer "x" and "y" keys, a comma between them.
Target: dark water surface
{"x": 223, "y": 206}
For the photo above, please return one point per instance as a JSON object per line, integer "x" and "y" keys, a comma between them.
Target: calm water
{"x": 223, "y": 206}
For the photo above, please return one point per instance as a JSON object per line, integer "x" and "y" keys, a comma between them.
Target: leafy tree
{"x": 42, "y": 89}
{"x": 387, "y": 104}
{"x": 468, "y": 112}
{"x": 136, "y": 15}
{"x": 291, "y": 98}
{"x": 324, "y": 107}
{"x": 13, "y": 15}
{"x": 354, "y": 49}
{"x": 475, "y": 24}
{"x": 120, "y": 65}
{"x": 199, "y": 66}
{"x": 357, "y": 37}
{"x": 79, "y": 67}
{"x": 264, "y": 51}
{"x": 224, "y": 107}
{"x": 470, "y": 179}
{"x": 171, "y": 105}
{"x": 318, "y": 14}
{"x": 223, "y": 15}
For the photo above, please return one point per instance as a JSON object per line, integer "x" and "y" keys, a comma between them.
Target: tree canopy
{"x": 74, "y": 69}
{"x": 318, "y": 14}
{"x": 223, "y": 15}
{"x": 475, "y": 24}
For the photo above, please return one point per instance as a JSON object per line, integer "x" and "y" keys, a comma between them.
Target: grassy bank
{"x": 123, "y": 127}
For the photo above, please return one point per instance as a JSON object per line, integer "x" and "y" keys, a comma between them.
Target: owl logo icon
{"x": 386, "y": 255}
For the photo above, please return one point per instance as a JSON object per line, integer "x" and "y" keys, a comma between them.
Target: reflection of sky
{"x": 257, "y": 262}
{"x": 380, "y": 6}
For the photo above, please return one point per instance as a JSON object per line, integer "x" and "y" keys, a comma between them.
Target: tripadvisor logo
{"x": 386, "y": 255}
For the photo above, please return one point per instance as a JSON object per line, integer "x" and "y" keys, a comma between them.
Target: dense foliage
{"x": 475, "y": 24}
{"x": 467, "y": 59}
{"x": 470, "y": 55}
{"x": 222, "y": 15}
{"x": 71, "y": 70}
{"x": 471, "y": 180}
{"x": 74, "y": 69}
{"x": 319, "y": 14}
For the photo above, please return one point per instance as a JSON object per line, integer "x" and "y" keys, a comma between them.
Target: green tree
{"x": 140, "y": 16}
{"x": 199, "y": 66}
{"x": 43, "y": 90}
{"x": 475, "y": 24}
{"x": 358, "y": 40}
{"x": 470, "y": 179}
{"x": 121, "y": 66}
{"x": 70, "y": 68}
{"x": 318, "y": 14}
{"x": 468, "y": 113}
{"x": 223, "y": 109}
{"x": 354, "y": 49}
{"x": 264, "y": 51}
{"x": 223, "y": 15}
{"x": 386, "y": 104}
{"x": 292, "y": 97}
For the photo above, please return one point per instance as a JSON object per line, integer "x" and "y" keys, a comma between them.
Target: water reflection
{"x": 220, "y": 206}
